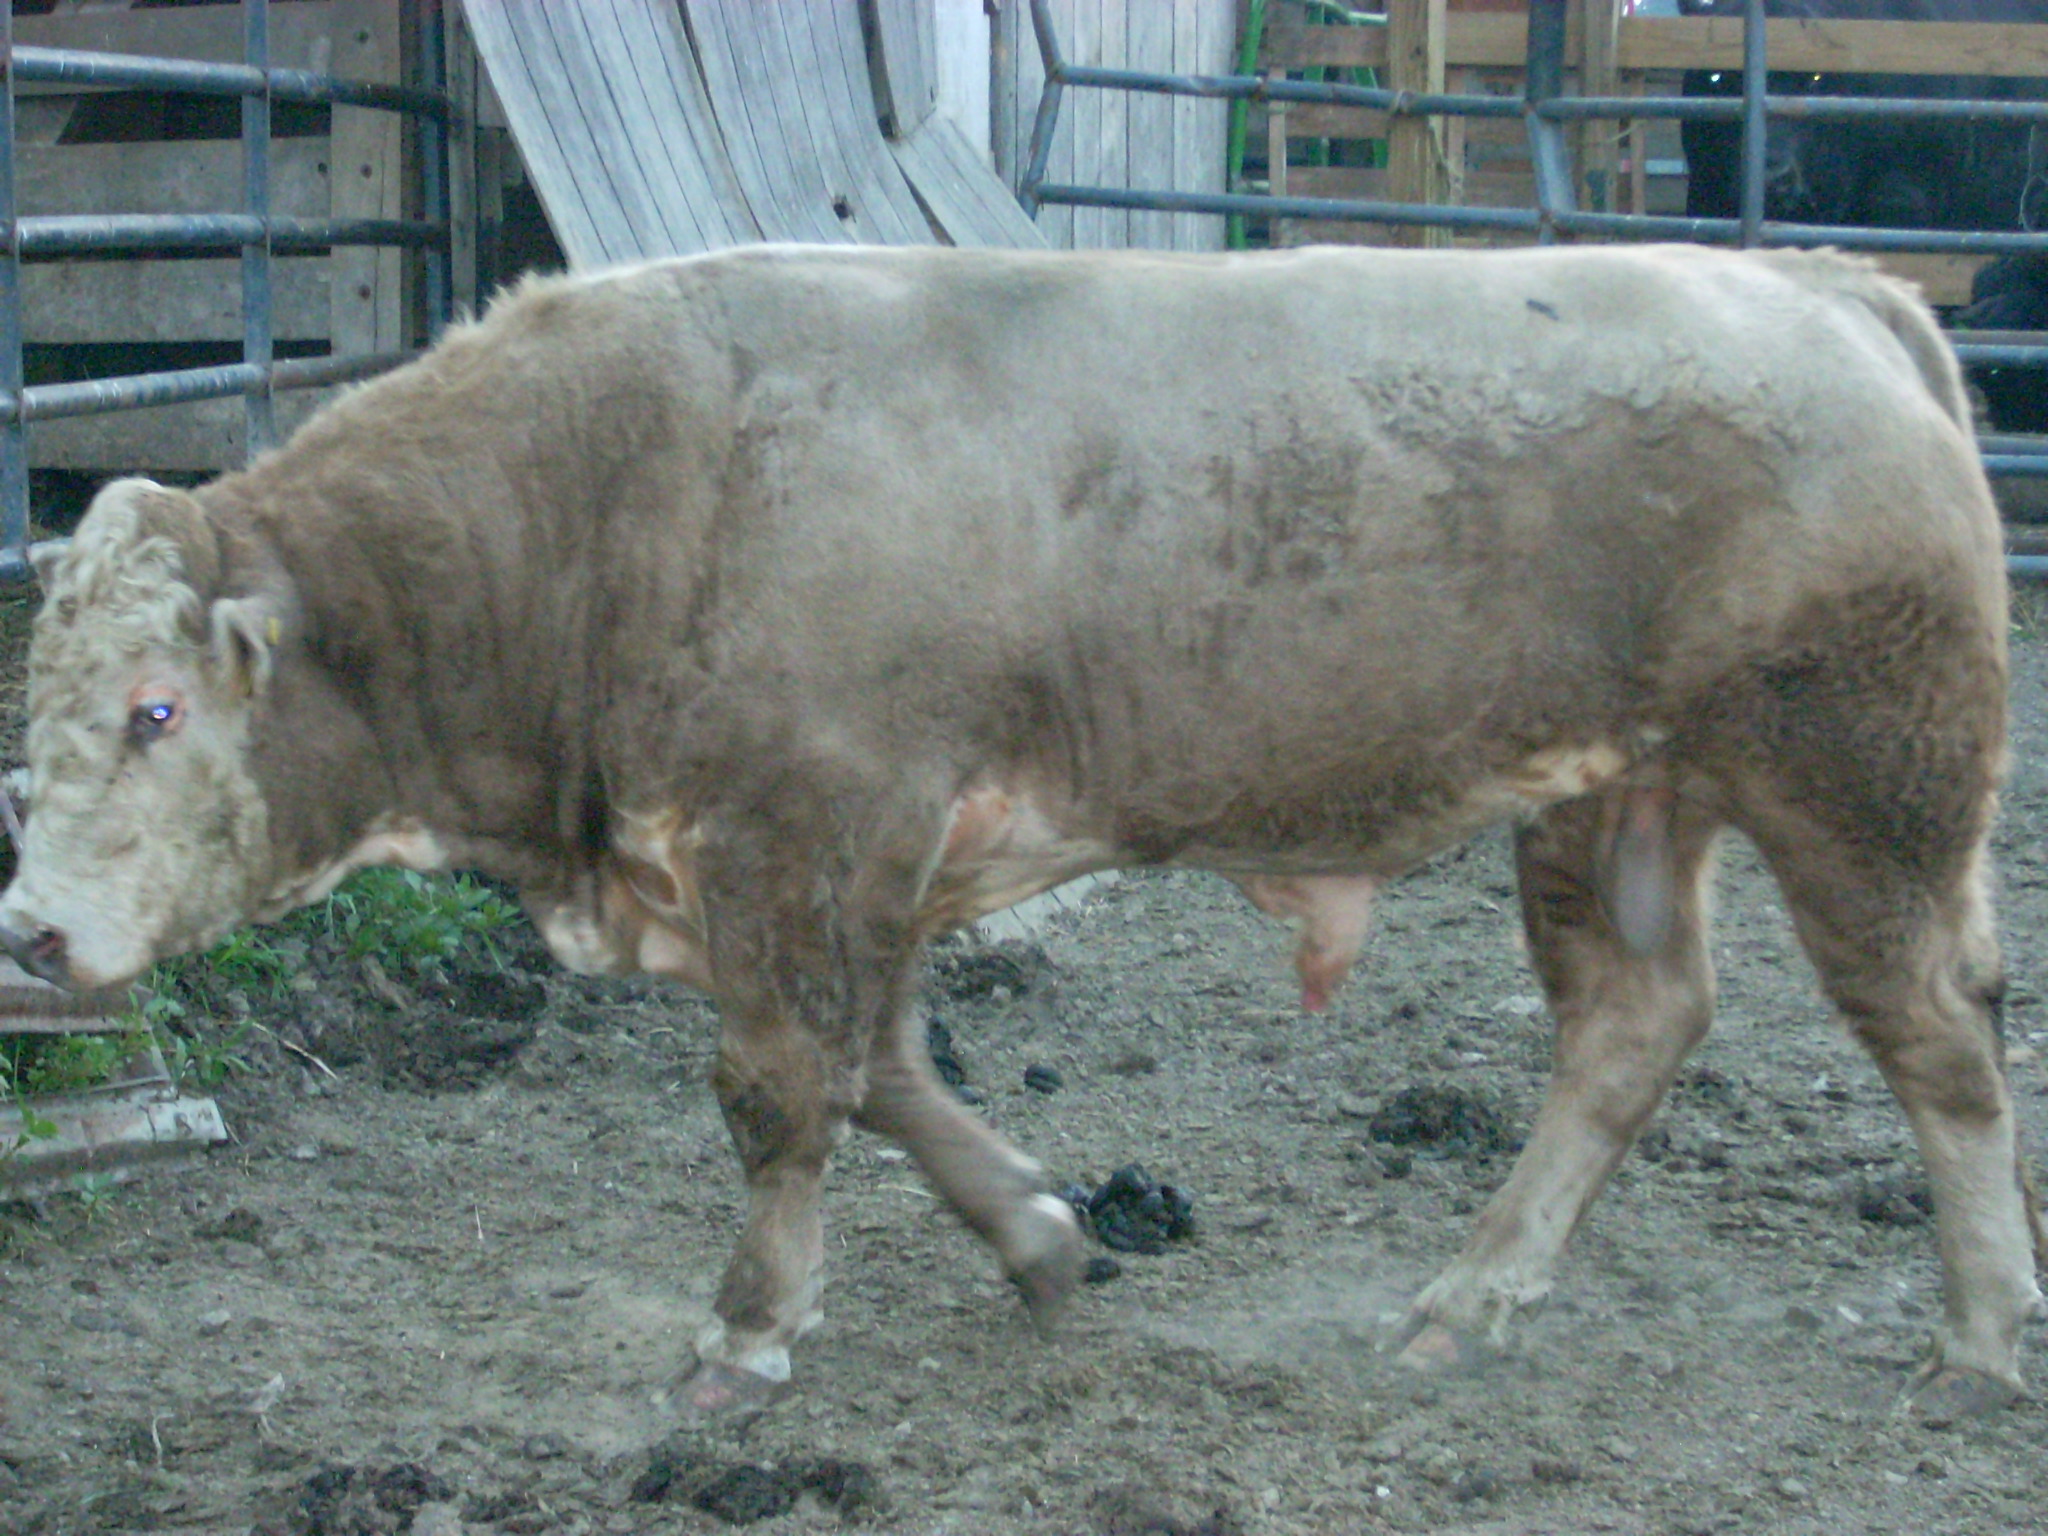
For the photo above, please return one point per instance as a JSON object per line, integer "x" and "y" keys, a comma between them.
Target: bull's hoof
{"x": 1436, "y": 1350}
{"x": 724, "y": 1394}
{"x": 1948, "y": 1394}
{"x": 1046, "y": 1280}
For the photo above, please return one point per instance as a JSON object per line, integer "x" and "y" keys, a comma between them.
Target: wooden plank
{"x": 545, "y": 121}
{"x": 969, "y": 203}
{"x": 188, "y": 176}
{"x": 1415, "y": 153}
{"x": 882, "y": 198}
{"x": 1479, "y": 39}
{"x": 1483, "y": 189}
{"x": 1204, "y": 43}
{"x": 616, "y": 127}
{"x": 202, "y": 436}
{"x": 1310, "y": 120}
{"x": 1824, "y": 47}
{"x": 463, "y": 73}
{"x": 1111, "y": 159}
{"x": 161, "y": 301}
{"x": 966, "y": 67}
{"x": 1596, "y": 145}
{"x": 1150, "y": 121}
{"x": 642, "y": 140}
{"x": 299, "y": 35}
{"x": 787, "y": 193}
{"x": 907, "y": 59}
{"x": 688, "y": 168}
{"x": 368, "y": 181}
{"x": 1082, "y": 119}
{"x": 1943, "y": 278}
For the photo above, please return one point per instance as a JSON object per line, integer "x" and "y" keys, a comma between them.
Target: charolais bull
{"x": 761, "y": 615}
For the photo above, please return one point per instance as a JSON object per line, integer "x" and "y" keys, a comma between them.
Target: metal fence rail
{"x": 254, "y": 229}
{"x": 1545, "y": 111}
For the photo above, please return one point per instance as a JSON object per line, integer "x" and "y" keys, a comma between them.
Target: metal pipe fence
{"x": 1546, "y": 111}
{"x": 254, "y": 230}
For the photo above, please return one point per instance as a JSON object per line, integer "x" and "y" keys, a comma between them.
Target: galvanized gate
{"x": 1546, "y": 111}
{"x": 253, "y": 228}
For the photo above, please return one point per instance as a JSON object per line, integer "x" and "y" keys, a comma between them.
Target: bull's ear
{"x": 246, "y": 632}
{"x": 44, "y": 556}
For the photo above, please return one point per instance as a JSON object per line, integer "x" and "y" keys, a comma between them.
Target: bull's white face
{"x": 146, "y": 834}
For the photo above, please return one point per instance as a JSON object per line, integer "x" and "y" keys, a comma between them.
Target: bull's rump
{"x": 1290, "y": 548}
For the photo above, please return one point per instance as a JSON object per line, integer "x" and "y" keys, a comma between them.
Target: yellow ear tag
{"x": 276, "y": 630}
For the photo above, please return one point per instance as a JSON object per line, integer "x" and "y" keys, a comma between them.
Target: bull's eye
{"x": 153, "y": 718}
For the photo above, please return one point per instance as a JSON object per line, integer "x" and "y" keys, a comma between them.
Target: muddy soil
{"x": 443, "y": 1289}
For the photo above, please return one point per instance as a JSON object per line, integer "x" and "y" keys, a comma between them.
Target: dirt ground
{"x": 443, "y": 1290}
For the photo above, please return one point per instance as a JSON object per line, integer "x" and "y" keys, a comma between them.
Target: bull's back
{"x": 1333, "y": 516}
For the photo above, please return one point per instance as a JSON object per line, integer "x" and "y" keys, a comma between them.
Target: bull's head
{"x": 146, "y": 835}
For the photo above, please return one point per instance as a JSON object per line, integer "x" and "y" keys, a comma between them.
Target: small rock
{"x": 304, "y": 1153}
{"x": 1438, "y": 1463}
{"x": 1793, "y": 1489}
{"x": 435, "y": 1519}
{"x": 1043, "y": 1079}
{"x": 568, "y": 1291}
{"x": 1474, "y": 1483}
{"x": 211, "y": 1323}
{"x": 1932, "y": 1466}
{"x": 548, "y": 1445}
{"x": 1352, "y": 1107}
{"x": 1620, "y": 1450}
{"x": 1101, "y": 1270}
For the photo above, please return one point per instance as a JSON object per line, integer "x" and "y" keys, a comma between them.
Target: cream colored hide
{"x": 761, "y": 615}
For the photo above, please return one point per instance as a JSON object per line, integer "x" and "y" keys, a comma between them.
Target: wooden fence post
{"x": 1415, "y": 145}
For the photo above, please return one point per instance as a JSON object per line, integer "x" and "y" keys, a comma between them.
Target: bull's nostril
{"x": 46, "y": 944}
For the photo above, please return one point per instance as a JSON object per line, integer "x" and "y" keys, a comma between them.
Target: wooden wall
{"x": 86, "y": 152}
{"x": 1119, "y": 138}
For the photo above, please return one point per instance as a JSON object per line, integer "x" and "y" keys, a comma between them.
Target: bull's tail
{"x": 1898, "y": 307}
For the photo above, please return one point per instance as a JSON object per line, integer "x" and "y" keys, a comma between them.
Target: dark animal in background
{"x": 1880, "y": 173}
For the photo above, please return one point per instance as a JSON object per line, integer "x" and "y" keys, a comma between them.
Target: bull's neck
{"x": 435, "y": 680}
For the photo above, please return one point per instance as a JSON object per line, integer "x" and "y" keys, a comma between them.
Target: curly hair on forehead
{"x": 136, "y": 569}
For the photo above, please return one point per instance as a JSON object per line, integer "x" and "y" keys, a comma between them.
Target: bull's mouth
{"x": 44, "y": 952}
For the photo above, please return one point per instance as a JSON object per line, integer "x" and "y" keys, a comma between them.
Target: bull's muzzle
{"x": 41, "y": 951}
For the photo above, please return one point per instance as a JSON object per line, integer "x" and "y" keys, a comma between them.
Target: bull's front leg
{"x": 801, "y": 985}
{"x": 786, "y": 1091}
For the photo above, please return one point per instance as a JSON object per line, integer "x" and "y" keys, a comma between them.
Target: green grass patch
{"x": 408, "y": 922}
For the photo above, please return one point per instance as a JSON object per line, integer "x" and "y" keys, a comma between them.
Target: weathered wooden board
{"x": 956, "y": 184}
{"x": 1710, "y": 42}
{"x": 790, "y": 86}
{"x": 169, "y": 301}
{"x": 1103, "y": 136}
{"x": 188, "y": 176}
{"x": 204, "y": 436}
{"x": 617, "y": 132}
{"x": 299, "y": 35}
{"x": 367, "y": 299}
{"x": 907, "y": 63}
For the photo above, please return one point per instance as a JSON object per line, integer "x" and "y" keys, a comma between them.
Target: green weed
{"x": 410, "y": 920}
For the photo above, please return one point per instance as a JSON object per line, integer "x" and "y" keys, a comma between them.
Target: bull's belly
{"x": 1005, "y": 843}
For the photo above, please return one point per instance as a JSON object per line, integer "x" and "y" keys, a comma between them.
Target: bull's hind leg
{"x": 995, "y": 1189}
{"x": 1631, "y": 998}
{"x": 1905, "y": 949}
